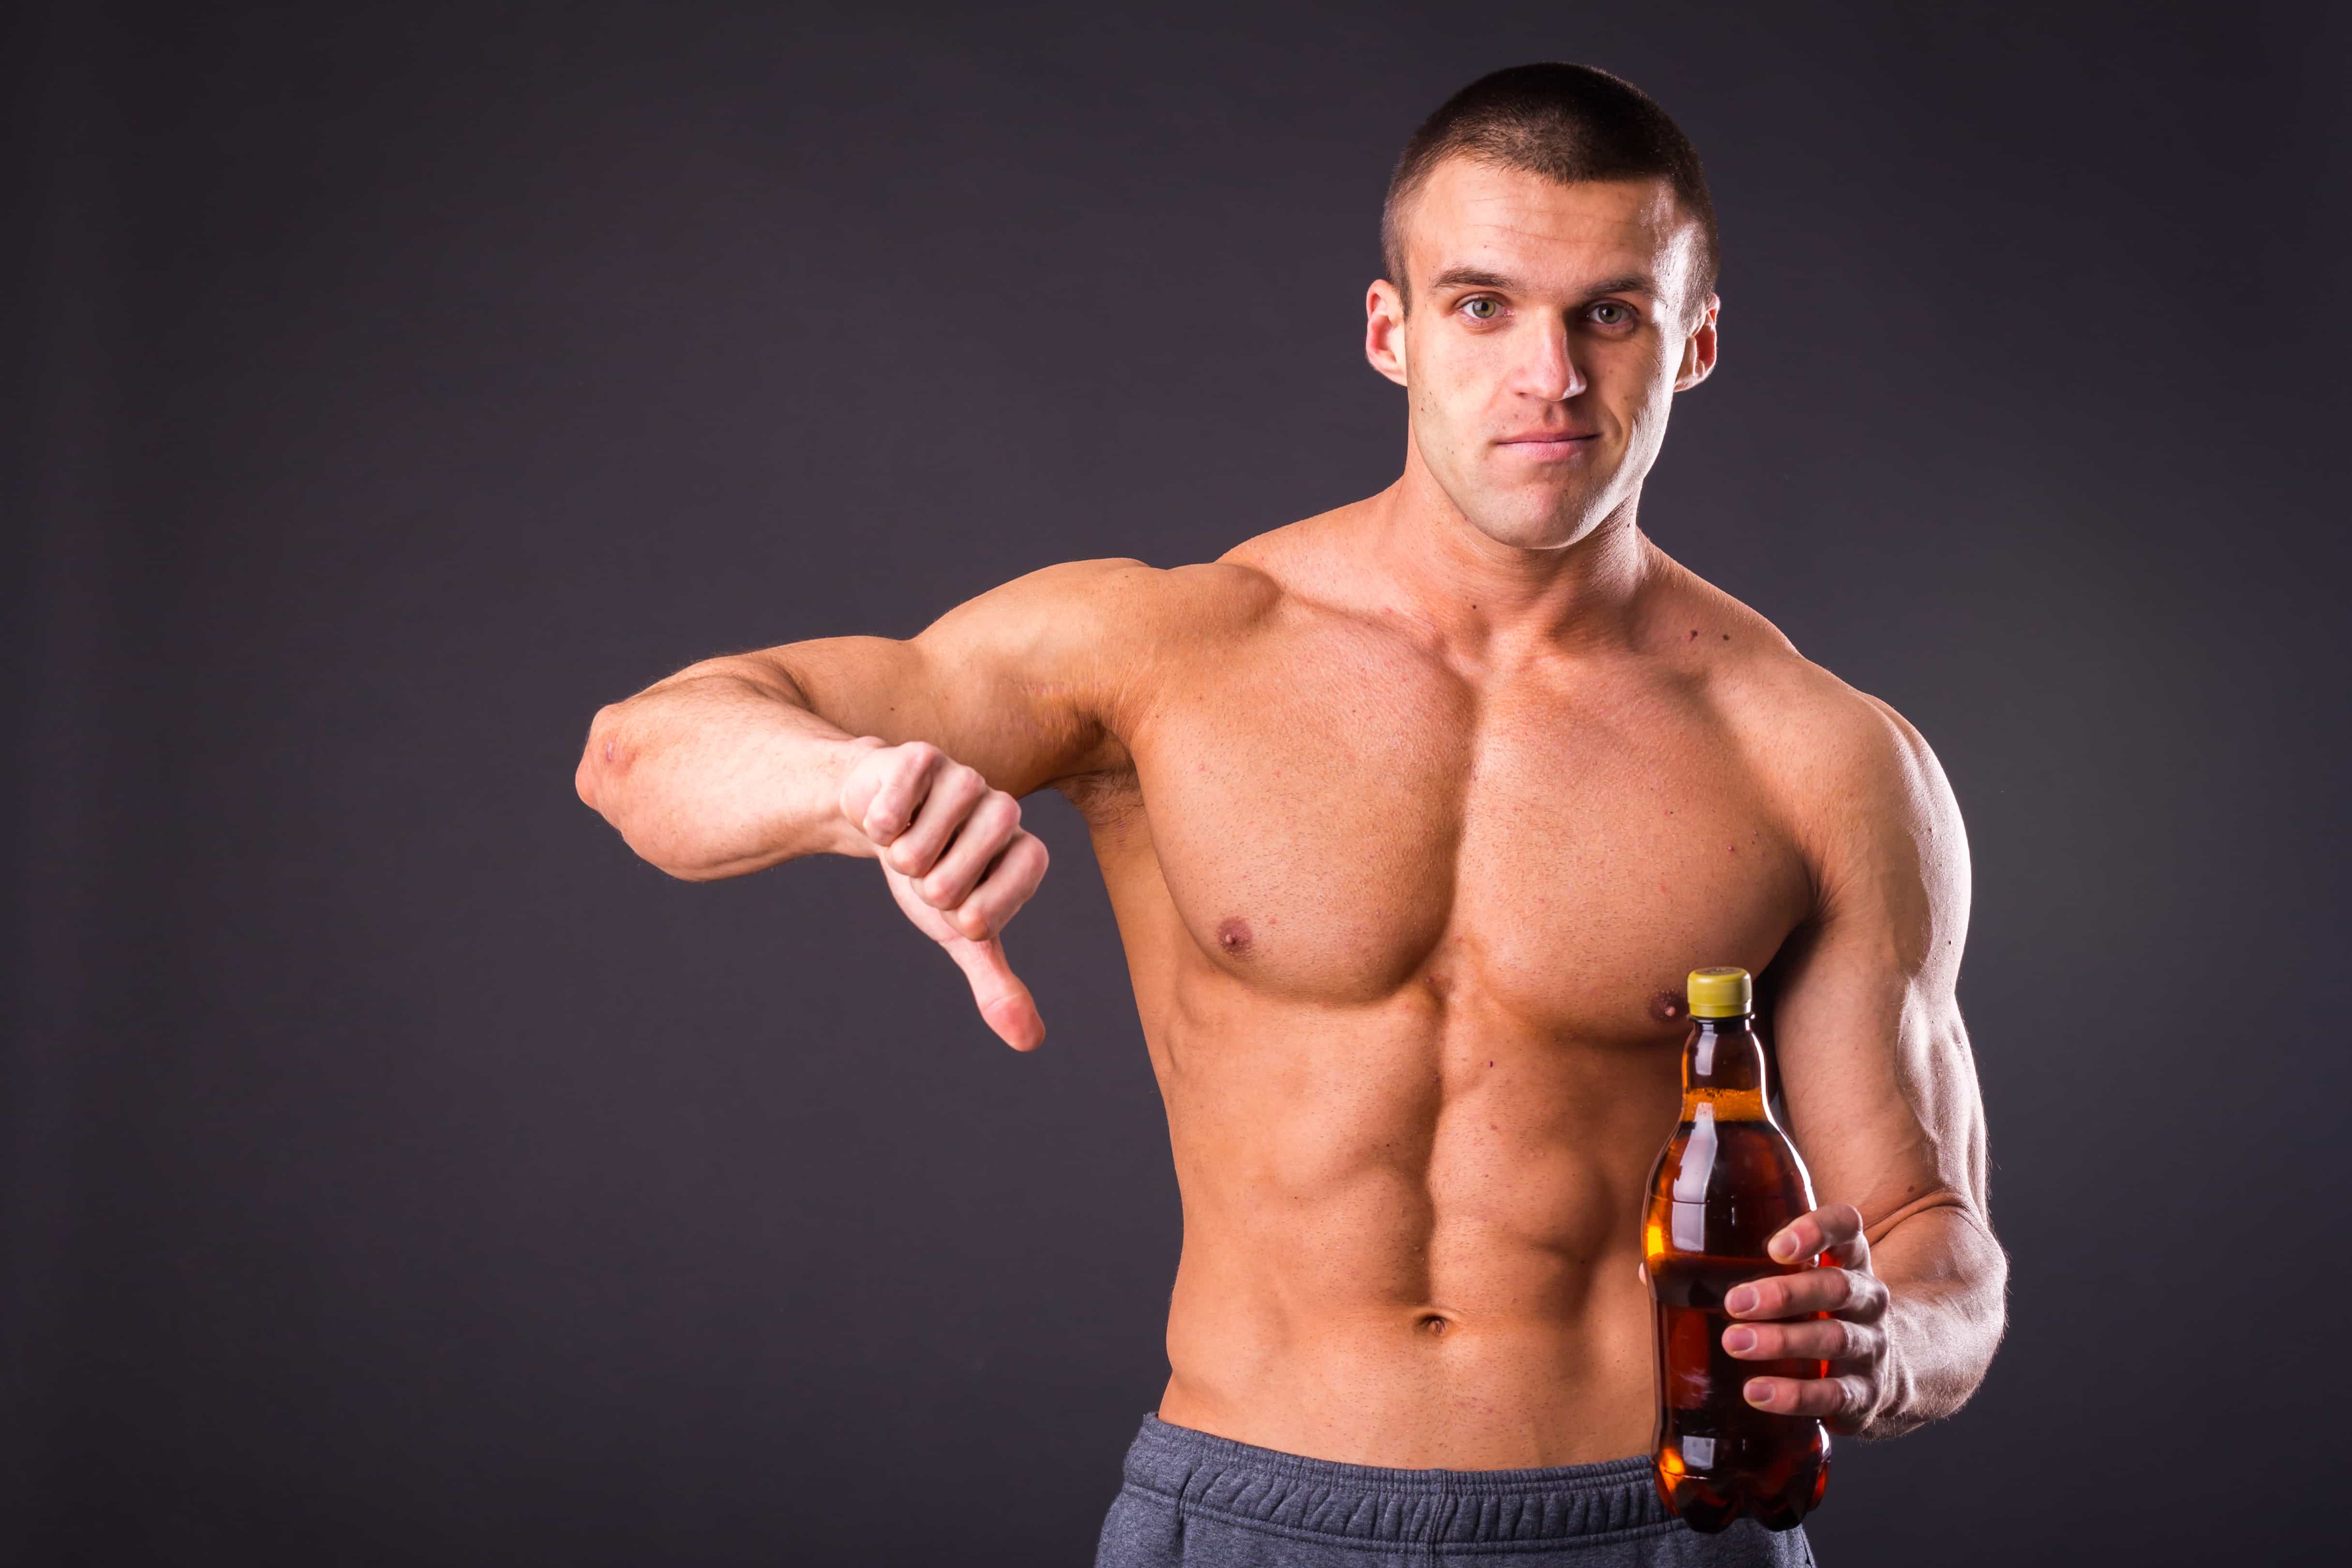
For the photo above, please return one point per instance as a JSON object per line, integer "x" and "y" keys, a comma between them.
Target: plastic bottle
{"x": 1726, "y": 1182}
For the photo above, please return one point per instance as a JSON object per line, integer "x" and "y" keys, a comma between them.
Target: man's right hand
{"x": 958, "y": 863}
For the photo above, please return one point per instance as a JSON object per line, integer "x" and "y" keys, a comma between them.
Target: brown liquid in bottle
{"x": 1726, "y": 1182}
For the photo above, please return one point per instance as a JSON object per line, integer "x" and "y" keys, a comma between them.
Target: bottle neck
{"x": 1723, "y": 1068}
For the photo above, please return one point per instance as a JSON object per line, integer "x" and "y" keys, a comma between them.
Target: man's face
{"x": 1550, "y": 326}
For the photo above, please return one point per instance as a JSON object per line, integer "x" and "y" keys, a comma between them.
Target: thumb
{"x": 1003, "y": 1001}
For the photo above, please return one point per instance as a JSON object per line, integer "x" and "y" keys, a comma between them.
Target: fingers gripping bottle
{"x": 1727, "y": 1180}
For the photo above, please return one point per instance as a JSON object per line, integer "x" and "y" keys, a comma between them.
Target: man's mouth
{"x": 1542, "y": 444}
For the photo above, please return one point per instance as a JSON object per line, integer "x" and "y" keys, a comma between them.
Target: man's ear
{"x": 1384, "y": 329}
{"x": 1698, "y": 349}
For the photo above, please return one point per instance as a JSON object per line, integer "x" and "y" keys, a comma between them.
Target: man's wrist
{"x": 1897, "y": 1410}
{"x": 835, "y": 763}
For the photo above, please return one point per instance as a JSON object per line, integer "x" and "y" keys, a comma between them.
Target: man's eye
{"x": 1483, "y": 309}
{"x": 1611, "y": 315}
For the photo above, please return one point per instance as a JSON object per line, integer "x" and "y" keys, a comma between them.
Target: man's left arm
{"x": 1882, "y": 1102}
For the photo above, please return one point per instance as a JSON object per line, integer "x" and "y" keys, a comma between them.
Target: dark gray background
{"x": 398, "y": 1172}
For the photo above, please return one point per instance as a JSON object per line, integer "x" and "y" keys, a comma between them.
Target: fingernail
{"x": 1740, "y": 1300}
{"x": 1783, "y": 1248}
{"x": 1739, "y": 1341}
{"x": 1756, "y": 1394}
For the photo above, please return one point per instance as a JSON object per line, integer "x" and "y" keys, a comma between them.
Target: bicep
{"x": 1875, "y": 1062}
{"x": 1015, "y": 683}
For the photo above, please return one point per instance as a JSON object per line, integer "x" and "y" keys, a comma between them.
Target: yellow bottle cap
{"x": 1721, "y": 993}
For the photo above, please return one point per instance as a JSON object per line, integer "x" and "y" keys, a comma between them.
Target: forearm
{"x": 720, "y": 770}
{"x": 1947, "y": 1284}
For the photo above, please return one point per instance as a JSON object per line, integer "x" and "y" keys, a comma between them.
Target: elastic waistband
{"x": 1317, "y": 1497}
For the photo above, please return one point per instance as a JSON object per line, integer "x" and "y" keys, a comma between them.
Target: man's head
{"x": 1551, "y": 257}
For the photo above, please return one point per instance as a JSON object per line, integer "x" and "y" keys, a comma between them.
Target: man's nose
{"x": 1549, "y": 368}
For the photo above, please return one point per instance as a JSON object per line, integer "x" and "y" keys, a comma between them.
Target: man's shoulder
{"x": 1312, "y": 561}
{"x": 1319, "y": 564}
{"x": 1829, "y": 749}
{"x": 1114, "y": 603}
{"x": 1862, "y": 797}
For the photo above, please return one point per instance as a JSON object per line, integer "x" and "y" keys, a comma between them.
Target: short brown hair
{"x": 1566, "y": 123}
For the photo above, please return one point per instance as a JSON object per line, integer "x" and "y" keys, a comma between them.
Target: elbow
{"x": 583, "y": 778}
{"x": 599, "y": 759}
{"x": 606, "y": 764}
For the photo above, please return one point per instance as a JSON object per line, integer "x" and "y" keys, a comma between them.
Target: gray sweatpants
{"x": 1206, "y": 1502}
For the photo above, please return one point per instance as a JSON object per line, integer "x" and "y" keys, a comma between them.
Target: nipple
{"x": 1233, "y": 935}
{"x": 1667, "y": 1006}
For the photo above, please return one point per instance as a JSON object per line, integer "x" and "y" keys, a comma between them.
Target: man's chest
{"x": 1347, "y": 819}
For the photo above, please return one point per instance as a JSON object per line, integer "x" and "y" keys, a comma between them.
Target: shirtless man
{"x": 1414, "y": 814}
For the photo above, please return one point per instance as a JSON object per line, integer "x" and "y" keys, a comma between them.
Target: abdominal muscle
{"x": 1411, "y": 1232}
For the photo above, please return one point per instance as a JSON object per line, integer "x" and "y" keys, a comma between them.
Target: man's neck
{"x": 1486, "y": 600}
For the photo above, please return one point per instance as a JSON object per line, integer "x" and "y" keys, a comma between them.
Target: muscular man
{"x": 1414, "y": 814}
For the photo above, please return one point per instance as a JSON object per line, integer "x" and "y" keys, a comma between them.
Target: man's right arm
{"x": 725, "y": 768}
{"x": 911, "y": 753}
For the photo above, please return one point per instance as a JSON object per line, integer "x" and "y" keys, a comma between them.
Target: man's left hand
{"x": 1852, "y": 1339}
